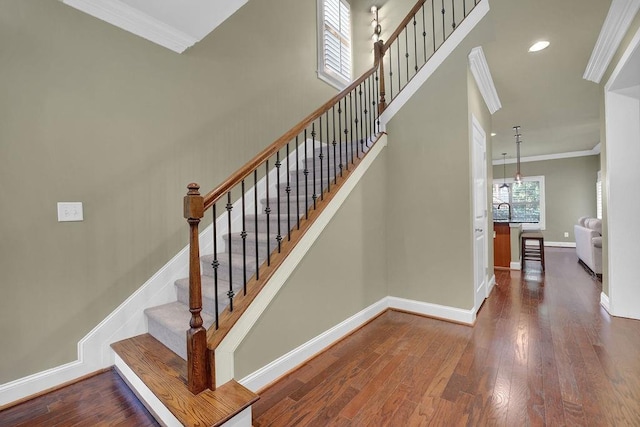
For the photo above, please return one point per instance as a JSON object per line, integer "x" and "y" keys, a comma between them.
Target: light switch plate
{"x": 70, "y": 211}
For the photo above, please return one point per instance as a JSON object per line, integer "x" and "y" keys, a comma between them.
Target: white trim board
{"x": 482, "y": 75}
{"x": 616, "y": 25}
{"x": 150, "y": 23}
{"x": 567, "y": 155}
{"x": 136, "y": 22}
{"x": 491, "y": 285}
{"x": 225, "y": 351}
{"x": 515, "y": 265}
{"x": 279, "y": 367}
{"x": 435, "y": 61}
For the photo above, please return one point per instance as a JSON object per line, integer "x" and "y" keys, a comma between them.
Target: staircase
{"x": 255, "y": 233}
{"x": 167, "y": 322}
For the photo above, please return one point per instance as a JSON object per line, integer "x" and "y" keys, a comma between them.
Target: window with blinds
{"x": 334, "y": 59}
{"x": 526, "y": 200}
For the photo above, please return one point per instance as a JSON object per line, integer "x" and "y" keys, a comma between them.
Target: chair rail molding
{"x": 480, "y": 70}
{"x": 615, "y": 26}
{"x": 164, "y": 22}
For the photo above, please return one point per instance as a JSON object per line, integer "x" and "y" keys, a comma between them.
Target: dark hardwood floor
{"x": 101, "y": 400}
{"x": 542, "y": 352}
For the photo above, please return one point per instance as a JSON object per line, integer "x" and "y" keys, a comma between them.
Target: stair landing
{"x": 165, "y": 373}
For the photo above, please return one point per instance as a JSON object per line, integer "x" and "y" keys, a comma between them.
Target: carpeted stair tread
{"x": 169, "y": 323}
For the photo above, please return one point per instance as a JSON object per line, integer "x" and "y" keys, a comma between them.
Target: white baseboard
{"x": 491, "y": 285}
{"x": 297, "y": 356}
{"x": 515, "y": 265}
{"x": 560, "y": 244}
{"x": 433, "y": 310}
{"x": 279, "y": 367}
{"x": 604, "y": 302}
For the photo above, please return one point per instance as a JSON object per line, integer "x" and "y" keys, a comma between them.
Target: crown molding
{"x": 593, "y": 152}
{"x": 482, "y": 75}
{"x": 615, "y": 26}
{"x": 134, "y": 21}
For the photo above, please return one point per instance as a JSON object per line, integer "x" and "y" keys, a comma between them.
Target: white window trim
{"x": 543, "y": 222}
{"x": 325, "y": 74}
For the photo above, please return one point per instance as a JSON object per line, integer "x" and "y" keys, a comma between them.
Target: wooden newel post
{"x": 379, "y": 59}
{"x": 197, "y": 365}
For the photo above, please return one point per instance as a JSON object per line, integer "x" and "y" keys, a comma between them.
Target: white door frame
{"x": 480, "y": 290}
{"x": 622, "y": 176}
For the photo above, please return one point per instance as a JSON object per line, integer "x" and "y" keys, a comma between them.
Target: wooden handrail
{"x": 215, "y": 194}
{"x": 403, "y": 24}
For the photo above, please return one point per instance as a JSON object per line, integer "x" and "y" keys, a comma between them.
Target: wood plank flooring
{"x": 101, "y": 400}
{"x": 542, "y": 352}
{"x": 538, "y": 355}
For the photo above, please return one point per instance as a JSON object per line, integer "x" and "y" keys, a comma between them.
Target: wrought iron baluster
{"x": 255, "y": 214}
{"x": 243, "y": 234}
{"x": 297, "y": 182}
{"x": 356, "y": 120}
{"x": 350, "y": 126}
{"x": 346, "y": 136}
{"x": 399, "y": 72}
{"x": 279, "y": 235}
{"x": 340, "y": 133}
{"x": 443, "y": 24}
{"x": 267, "y": 211}
{"x": 334, "y": 143}
{"x": 313, "y": 160}
{"x": 215, "y": 263}
{"x": 453, "y": 14}
{"x": 326, "y": 116}
{"x": 288, "y": 190}
{"x": 362, "y": 110}
{"x": 306, "y": 178}
{"x": 406, "y": 50}
{"x": 415, "y": 44}
{"x": 376, "y": 109}
{"x": 320, "y": 157}
{"x": 433, "y": 25}
{"x": 391, "y": 72}
{"x": 424, "y": 35}
{"x": 229, "y": 249}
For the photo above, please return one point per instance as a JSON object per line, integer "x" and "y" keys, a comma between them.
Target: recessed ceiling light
{"x": 539, "y": 46}
{"x": 493, "y": 134}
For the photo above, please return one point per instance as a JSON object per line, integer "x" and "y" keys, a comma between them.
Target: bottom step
{"x": 144, "y": 360}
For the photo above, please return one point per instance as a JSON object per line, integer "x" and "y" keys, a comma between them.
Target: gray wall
{"x": 91, "y": 113}
{"x": 430, "y": 232}
{"x": 343, "y": 273}
{"x": 570, "y": 191}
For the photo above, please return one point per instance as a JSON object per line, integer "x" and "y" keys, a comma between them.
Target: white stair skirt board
{"x": 128, "y": 320}
{"x": 435, "y": 61}
{"x": 224, "y": 352}
{"x": 279, "y": 367}
{"x": 515, "y": 265}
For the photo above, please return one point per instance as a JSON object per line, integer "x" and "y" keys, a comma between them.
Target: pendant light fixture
{"x": 518, "y": 177}
{"x": 504, "y": 171}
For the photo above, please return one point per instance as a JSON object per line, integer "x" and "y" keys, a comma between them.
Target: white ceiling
{"x": 544, "y": 92}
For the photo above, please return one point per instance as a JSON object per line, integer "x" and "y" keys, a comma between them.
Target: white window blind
{"x": 335, "y": 58}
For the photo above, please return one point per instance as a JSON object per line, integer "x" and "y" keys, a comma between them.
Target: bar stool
{"x": 532, "y": 253}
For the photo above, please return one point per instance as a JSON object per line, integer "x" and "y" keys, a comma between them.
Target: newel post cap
{"x": 193, "y": 202}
